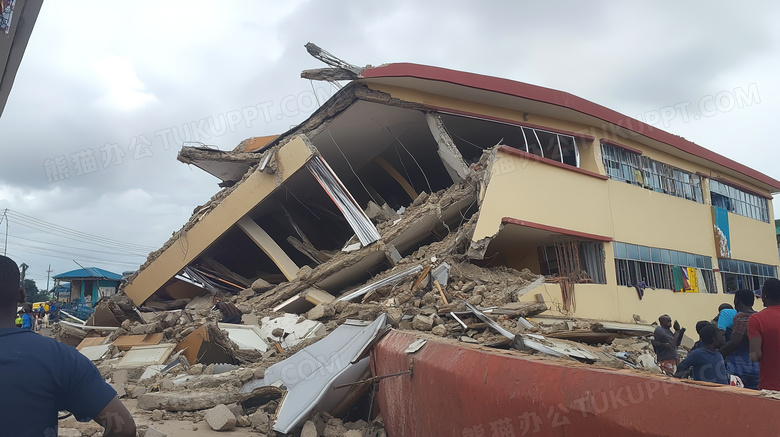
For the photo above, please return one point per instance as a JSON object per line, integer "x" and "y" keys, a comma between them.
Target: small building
{"x": 89, "y": 284}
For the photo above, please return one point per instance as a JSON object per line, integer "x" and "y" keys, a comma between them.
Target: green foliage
{"x": 33, "y": 293}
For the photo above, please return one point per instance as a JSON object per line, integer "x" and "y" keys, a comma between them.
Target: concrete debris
{"x": 220, "y": 418}
{"x": 151, "y": 431}
{"x": 403, "y": 257}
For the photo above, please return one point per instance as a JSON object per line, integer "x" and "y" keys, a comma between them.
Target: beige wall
{"x": 753, "y": 240}
{"x": 531, "y": 190}
{"x": 607, "y": 302}
{"x": 248, "y": 194}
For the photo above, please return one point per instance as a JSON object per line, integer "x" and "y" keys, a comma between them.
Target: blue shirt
{"x": 40, "y": 376}
{"x": 726, "y": 319}
{"x": 707, "y": 366}
{"x": 26, "y": 321}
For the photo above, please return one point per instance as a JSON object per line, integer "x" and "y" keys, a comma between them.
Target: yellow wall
{"x": 607, "y": 302}
{"x": 528, "y": 189}
{"x": 644, "y": 217}
{"x": 290, "y": 158}
{"x": 752, "y": 240}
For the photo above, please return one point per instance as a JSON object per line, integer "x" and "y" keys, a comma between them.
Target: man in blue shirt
{"x": 706, "y": 361}
{"x": 41, "y": 376}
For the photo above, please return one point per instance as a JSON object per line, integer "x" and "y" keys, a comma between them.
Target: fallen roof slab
{"x": 310, "y": 374}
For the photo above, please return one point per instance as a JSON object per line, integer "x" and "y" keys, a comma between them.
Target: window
{"x": 573, "y": 258}
{"x": 738, "y": 275}
{"x": 633, "y": 168}
{"x": 656, "y": 267}
{"x": 472, "y": 135}
{"x": 738, "y": 201}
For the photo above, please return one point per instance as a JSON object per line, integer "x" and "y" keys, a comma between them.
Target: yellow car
{"x": 45, "y": 306}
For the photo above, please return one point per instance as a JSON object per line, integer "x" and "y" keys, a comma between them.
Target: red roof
{"x": 566, "y": 100}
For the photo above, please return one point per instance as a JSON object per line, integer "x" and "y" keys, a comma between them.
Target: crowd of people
{"x": 740, "y": 346}
{"x": 37, "y": 319}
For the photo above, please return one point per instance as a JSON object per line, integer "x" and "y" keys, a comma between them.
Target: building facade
{"x": 623, "y": 218}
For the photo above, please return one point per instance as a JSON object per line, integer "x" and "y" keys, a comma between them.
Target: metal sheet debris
{"x": 390, "y": 280}
{"x": 309, "y": 374}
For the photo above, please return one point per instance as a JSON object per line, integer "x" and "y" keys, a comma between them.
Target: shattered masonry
{"x": 414, "y": 198}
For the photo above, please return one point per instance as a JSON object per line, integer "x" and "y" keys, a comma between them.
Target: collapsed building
{"x": 626, "y": 218}
{"x": 461, "y": 208}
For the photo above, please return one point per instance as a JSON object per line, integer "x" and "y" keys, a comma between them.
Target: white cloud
{"x": 122, "y": 89}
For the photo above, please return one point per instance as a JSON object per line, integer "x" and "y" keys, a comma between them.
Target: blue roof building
{"x": 89, "y": 284}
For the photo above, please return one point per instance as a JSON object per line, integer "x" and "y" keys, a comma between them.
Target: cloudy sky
{"x": 108, "y": 91}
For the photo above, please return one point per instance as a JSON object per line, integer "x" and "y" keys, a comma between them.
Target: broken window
{"x": 663, "y": 268}
{"x": 744, "y": 275}
{"x": 473, "y": 135}
{"x": 584, "y": 260}
{"x": 383, "y": 154}
{"x": 738, "y": 201}
{"x": 623, "y": 165}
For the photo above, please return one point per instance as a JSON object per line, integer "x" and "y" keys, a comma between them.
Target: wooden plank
{"x": 126, "y": 342}
{"x": 269, "y": 246}
{"x": 420, "y": 278}
{"x": 397, "y": 176}
{"x": 441, "y": 292}
{"x": 91, "y": 341}
{"x": 317, "y": 296}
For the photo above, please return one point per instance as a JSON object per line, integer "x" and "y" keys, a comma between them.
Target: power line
{"x": 54, "y": 229}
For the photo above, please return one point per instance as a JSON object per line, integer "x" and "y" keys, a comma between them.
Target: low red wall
{"x": 463, "y": 390}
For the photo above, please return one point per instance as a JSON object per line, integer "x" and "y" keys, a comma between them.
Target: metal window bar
{"x": 539, "y": 143}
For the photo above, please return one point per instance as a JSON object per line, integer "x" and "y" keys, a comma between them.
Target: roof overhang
{"x": 547, "y": 102}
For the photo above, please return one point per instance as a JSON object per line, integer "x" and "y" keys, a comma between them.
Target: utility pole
{"x": 5, "y": 216}
{"x": 48, "y": 275}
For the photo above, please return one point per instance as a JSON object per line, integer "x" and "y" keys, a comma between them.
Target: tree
{"x": 32, "y": 291}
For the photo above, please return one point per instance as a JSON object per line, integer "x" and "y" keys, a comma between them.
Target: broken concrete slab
{"x": 220, "y": 418}
{"x": 95, "y": 353}
{"x": 142, "y": 356}
{"x": 295, "y": 329}
{"x": 246, "y": 337}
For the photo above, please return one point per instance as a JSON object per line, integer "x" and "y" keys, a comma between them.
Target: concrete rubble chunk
{"x": 422, "y": 323}
{"x": 220, "y": 418}
{"x": 157, "y": 415}
{"x": 261, "y": 285}
{"x": 320, "y": 311}
{"x": 154, "y": 432}
{"x": 187, "y": 400}
{"x": 309, "y": 429}
{"x": 68, "y": 432}
{"x": 259, "y": 419}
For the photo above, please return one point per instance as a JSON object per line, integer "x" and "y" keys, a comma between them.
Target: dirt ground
{"x": 172, "y": 427}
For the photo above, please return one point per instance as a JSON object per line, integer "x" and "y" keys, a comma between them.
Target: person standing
{"x": 706, "y": 361}
{"x": 665, "y": 344}
{"x": 764, "y": 333}
{"x": 27, "y": 317}
{"x": 41, "y": 376}
{"x": 737, "y": 350}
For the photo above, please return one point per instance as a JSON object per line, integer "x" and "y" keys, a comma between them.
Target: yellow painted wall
{"x": 606, "y": 302}
{"x": 753, "y": 240}
{"x": 291, "y": 157}
{"x": 530, "y": 190}
{"x": 644, "y": 217}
